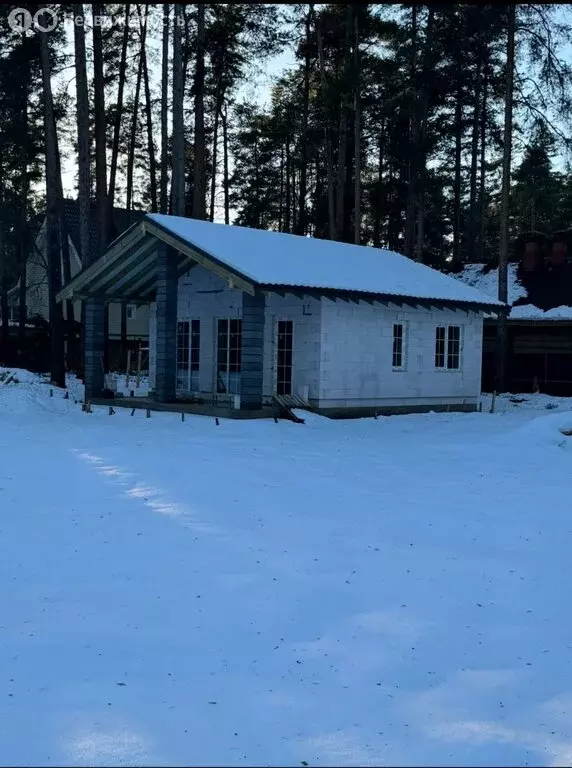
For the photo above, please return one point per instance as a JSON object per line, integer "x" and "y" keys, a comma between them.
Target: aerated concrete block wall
{"x": 356, "y": 357}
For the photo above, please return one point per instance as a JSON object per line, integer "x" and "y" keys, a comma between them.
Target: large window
{"x": 448, "y": 347}
{"x": 398, "y": 357}
{"x": 188, "y": 355}
{"x": 229, "y": 356}
{"x": 284, "y": 358}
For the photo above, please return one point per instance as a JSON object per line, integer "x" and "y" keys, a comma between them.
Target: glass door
{"x": 229, "y": 356}
{"x": 188, "y": 355}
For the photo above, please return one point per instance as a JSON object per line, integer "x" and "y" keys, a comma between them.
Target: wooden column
{"x": 252, "y": 367}
{"x": 166, "y": 336}
{"x": 94, "y": 347}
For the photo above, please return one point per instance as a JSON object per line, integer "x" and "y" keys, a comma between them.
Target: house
{"x": 37, "y": 295}
{"x": 540, "y": 318}
{"x": 245, "y": 316}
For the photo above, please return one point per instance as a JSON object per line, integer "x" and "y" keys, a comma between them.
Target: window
{"x": 188, "y": 355}
{"x": 284, "y": 358}
{"x": 398, "y": 338}
{"x": 448, "y": 347}
{"x": 131, "y": 312}
{"x": 229, "y": 356}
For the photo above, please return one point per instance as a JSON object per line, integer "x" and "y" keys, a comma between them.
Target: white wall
{"x": 204, "y": 296}
{"x": 342, "y": 352}
{"x": 306, "y": 318}
{"x": 356, "y": 357}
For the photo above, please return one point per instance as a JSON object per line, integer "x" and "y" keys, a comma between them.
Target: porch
{"x": 182, "y": 406}
{"x": 143, "y": 266}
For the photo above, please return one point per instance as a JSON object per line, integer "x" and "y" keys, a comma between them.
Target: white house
{"x": 248, "y": 317}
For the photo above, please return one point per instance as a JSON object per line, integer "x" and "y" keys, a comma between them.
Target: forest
{"x": 438, "y": 131}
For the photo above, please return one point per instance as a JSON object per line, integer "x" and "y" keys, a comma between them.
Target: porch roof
{"x": 251, "y": 259}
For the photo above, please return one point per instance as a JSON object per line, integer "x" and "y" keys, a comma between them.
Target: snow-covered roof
{"x": 486, "y": 281}
{"x": 252, "y": 259}
{"x": 279, "y": 259}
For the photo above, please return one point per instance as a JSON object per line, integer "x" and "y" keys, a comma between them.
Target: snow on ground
{"x": 368, "y": 592}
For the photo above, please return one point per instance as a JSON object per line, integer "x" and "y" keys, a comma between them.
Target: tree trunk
{"x": 53, "y": 256}
{"x": 119, "y": 112}
{"x": 414, "y": 142}
{"x": 357, "y": 135}
{"x": 457, "y": 177}
{"x": 178, "y": 170}
{"x": 473, "y": 206}
{"x": 4, "y": 309}
{"x": 100, "y": 137}
{"x": 64, "y": 246}
{"x": 149, "y": 113}
{"x": 199, "y": 189}
{"x": 421, "y": 149}
{"x": 342, "y": 134}
{"x": 483, "y": 171}
{"x": 133, "y": 136}
{"x": 287, "y": 203}
{"x": 379, "y": 202}
{"x": 505, "y": 197}
{"x": 82, "y": 98}
{"x": 22, "y": 300}
{"x": 281, "y": 193}
{"x": 225, "y": 178}
{"x": 302, "y": 216}
{"x": 327, "y": 135}
{"x": 24, "y": 239}
{"x": 218, "y": 107}
{"x": 164, "y": 178}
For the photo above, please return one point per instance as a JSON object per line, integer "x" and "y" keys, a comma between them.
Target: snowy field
{"x": 392, "y": 591}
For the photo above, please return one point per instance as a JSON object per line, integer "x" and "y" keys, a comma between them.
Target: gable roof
{"x": 265, "y": 260}
{"x": 276, "y": 258}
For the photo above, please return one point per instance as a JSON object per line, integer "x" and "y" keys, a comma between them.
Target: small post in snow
{"x": 51, "y": 392}
{"x": 66, "y": 395}
{"x": 182, "y": 415}
{"x": 132, "y": 411}
{"x": 493, "y": 402}
{"x": 138, "y": 379}
{"x": 148, "y": 413}
{"x": 216, "y": 421}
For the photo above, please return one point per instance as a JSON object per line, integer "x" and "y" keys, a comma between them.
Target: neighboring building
{"x": 37, "y": 295}
{"x": 245, "y": 316}
{"x": 540, "y": 317}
